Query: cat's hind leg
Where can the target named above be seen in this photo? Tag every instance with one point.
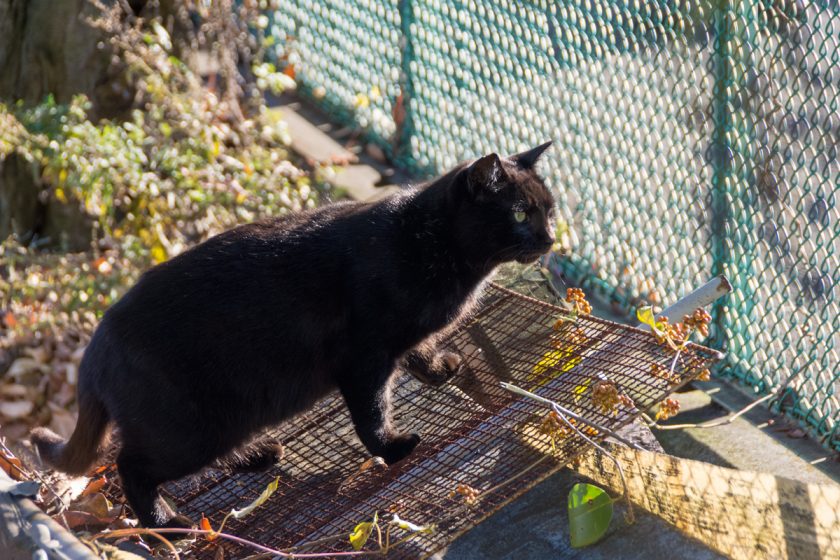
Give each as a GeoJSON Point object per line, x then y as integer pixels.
{"type": "Point", "coordinates": [367, 392]}
{"type": "Point", "coordinates": [257, 456]}
{"type": "Point", "coordinates": [140, 487]}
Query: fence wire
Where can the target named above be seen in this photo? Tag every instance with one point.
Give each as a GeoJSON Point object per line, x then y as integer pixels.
{"type": "Point", "coordinates": [692, 138]}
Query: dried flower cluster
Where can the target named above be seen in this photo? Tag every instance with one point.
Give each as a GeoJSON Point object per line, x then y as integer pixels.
{"type": "Point", "coordinates": [469, 494]}
{"type": "Point", "coordinates": [577, 299]}
{"type": "Point", "coordinates": [668, 409]}
{"type": "Point", "coordinates": [607, 397]}
{"type": "Point", "coordinates": [657, 370]}
{"type": "Point", "coordinates": [553, 426]}
{"type": "Point", "coordinates": [699, 321]}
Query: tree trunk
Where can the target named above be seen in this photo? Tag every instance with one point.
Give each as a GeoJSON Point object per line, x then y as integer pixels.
{"type": "Point", "coordinates": [48, 48]}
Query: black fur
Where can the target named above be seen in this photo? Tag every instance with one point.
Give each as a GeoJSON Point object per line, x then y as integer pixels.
{"type": "Point", "coordinates": [254, 325]}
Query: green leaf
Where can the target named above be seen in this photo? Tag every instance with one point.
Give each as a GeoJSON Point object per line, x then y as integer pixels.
{"type": "Point", "coordinates": [362, 532]}
{"type": "Point", "coordinates": [646, 317]}
{"type": "Point", "coordinates": [590, 512]}
{"type": "Point", "coordinates": [266, 494]}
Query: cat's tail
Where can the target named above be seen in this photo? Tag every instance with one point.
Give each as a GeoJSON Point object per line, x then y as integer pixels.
{"type": "Point", "coordinates": [77, 455]}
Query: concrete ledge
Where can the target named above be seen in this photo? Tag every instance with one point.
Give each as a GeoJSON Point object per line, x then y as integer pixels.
{"type": "Point", "coordinates": [25, 530]}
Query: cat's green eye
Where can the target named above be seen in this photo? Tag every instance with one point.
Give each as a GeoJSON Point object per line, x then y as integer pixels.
{"type": "Point", "coordinates": [519, 216]}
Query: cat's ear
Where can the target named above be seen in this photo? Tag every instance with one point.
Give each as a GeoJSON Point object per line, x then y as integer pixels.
{"type": "Point", "coordinates": [485, 175]}
{"type": "Point", "coordinates": [527, 159]}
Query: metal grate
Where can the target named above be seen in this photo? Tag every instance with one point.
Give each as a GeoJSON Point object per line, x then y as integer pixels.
{"type": "Point", "coordinates": [693, 139]}
{"type": "Point", "coordinates": [474, 433]}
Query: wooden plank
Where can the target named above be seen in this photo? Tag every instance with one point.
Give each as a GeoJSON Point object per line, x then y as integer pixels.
{"type": "Point", "coordinates": [740, 514]}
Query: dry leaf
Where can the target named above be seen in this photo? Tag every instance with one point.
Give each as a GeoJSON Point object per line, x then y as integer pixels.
{"type": "Point", "coordinates": [13, 410]}
{"type": "Point", "coordinates": [63, 422]}
{"type": "Point", "coordinates": [9, 320]}
{"type": "Point", "coordinates": [41, 354]}
{"type": "Point", "coordinates": [204, 525]}
{"type": "Point", "coordinates": [22, 366]}
{"type": "Point", "coordinates": [94, 486]}
{"type": "Point", "coordinates": [71, 373]}
{"type": "Point", "coordinates": [95, 504]}
{"type": "Point", "coordinates": [76, 519]}
{"type": "Point", "coordinates": [377, 462]}
{"type": "Point", "coordinates": [11, 466]}
{"type": "Point", "coordinates": [101, 469]}
{"type": "Point", "coordinates": [14, 390]}
{"type": "Point", "coordinates": [76, 357]}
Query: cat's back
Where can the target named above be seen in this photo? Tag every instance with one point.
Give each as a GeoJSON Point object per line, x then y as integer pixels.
{"type": "Point", "coordinates": [243, 278]}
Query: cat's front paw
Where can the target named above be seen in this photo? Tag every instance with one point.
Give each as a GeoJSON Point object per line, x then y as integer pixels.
{"type": "Point", "coordinates": [399, 447]}
{"type": "Point", "coordinates": [443, 367]}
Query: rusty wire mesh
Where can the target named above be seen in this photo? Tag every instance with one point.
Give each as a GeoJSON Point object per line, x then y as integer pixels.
{"type": "Point", "coordinates": [473, 433]}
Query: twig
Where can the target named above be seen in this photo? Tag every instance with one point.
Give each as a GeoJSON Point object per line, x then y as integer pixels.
{"type": "Point", "coordinates": [546, 273]}
{"type": "Point", "coordinates": [517, 475]}
{"type": "Point", "coordinates": [567, 412]}
{"type": "Point", "coordinates": [729, 419]}
{"type": "Point", "coordinates": [35, 473]}
{"type": "Point", "coordinates": [630, 516]}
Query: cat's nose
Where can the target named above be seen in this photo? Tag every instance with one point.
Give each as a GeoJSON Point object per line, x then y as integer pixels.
{"type": "Point", "coordinates": [547, 238]}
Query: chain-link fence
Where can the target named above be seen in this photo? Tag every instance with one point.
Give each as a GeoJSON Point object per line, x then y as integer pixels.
{"type": "Point", "coordinates": [692, 138]}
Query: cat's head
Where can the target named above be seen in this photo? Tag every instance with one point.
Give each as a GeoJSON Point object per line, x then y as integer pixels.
{"type": "Point", "coordinates": [507, 211]}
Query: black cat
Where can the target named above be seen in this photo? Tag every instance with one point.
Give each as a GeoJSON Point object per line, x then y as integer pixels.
{"type": "Point", "coordinates": [255, 325]}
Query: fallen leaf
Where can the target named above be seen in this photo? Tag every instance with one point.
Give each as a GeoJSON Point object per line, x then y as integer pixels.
{"type": "Point", "coordinates": [111, 552]}
{"type": "Point", "coordinates": [590, 513]}
{"type": "Point", "coordinates": [377, 462]}
{"type": "Point", "coordinates": [11, 466]}
{"type": "Point", "coordinates": [101, 469]}
{"type": "Point", "coordinates": [409, 526]}
{"type": "Point", "coordinates": [361, 533]}
{"type": "Point", "coordinates": [204, 525]}
{"type": "Point", "coordinates": [62, 422]}
{"type": "Point", "coordinates": [71, 373]}
{"type": "Point", "coordinates": [76, 356]}
{"type": "Point", "coordinates": [94, 504]}
{"type": "Point", "coordinates": [22, 366]}
{"type": "Point", "coordinates": [15, 409]}
{"type": "Point", "coordinates": [41, 354]}
{"type": "Point", "coordinates": [266, 494]}
{"type": "Point", "coordinates": [9, 320]}
{"type": "Point", "coordinates": [94, 486]}
{"type": "Point", "coordinates": [14, 390]}
{"type": "Point", "coordinates": [76, 519]}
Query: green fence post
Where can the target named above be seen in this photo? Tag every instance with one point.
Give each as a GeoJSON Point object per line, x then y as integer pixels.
{"type": "Point", "coordinates": [731, 157]}
{"type": "Point", "coordinates": [405, 129]}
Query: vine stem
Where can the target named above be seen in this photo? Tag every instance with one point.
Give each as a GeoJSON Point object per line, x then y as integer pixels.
{"type": "Point", "coordinates": [624, 493]}
{"type": "Point", "coordinates": [158, 533]}
{"type": "Point", "coordinates": [563, 413]}
{"type": "Point", "coordinates": [522, 392]}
